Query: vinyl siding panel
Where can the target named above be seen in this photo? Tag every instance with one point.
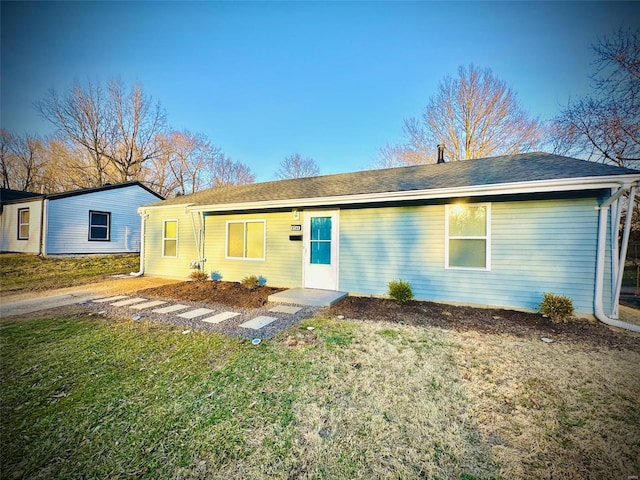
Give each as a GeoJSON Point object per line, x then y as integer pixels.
{"type": "Point", "coordinates": [9, 223]}
{"type": "Point", "coordinates": [282, 266]}
{"type": "Point", "coordinates": [68, 221]}
{"type": "Point", "coordinates": [536, 247]}
{"type": "Point", "coordinates": [169, 267]}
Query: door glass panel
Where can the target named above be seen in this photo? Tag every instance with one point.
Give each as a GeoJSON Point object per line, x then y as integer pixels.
{"type": "Point", "coordinates": [321, 228]}
{"type": "Point", "coordinates": [321, 253]}
{"type": "Point", "coordinates": [320, 241]}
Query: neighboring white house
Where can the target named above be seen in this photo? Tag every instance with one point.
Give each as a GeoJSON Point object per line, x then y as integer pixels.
{"type": "Point", "coordinates": [92, 220]}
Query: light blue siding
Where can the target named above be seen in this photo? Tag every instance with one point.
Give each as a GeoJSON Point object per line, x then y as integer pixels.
{"type": "Point", "coordinates": [536, 247]}
{"type": "Point", "coordinates": [67, 221]}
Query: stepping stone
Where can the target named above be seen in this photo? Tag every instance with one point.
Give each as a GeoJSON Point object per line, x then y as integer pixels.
{"type": "Point", "coordinates": [198, 312]}
{"type": "Point", "coordinates": [258, 322]}
{"type": "Point", "coordinates": [131, 301]}
{"type": "Point", "coordinates": [111, 299]}
{"type": "Point", "coordinates": [154, 303]}
{"type": "Point", "coordinates": [171, 308]}
{"type": "Point", "coordinates": [221, 317]}
{"type": "Point", "coordinates": [285, 309]}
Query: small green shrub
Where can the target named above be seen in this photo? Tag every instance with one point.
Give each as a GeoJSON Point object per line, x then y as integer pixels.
{"type": "Point", "coordinates": [557, 307]}
{"type": "Point", "coordinates": [250, 282]}
{"type": "Point", "coordinates": [400, 291]}
{"type": "Point", "coordinates": [198, 276]}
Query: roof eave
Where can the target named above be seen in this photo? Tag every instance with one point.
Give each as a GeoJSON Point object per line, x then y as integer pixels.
{"type": "Point", "coordinates": [541, 186]}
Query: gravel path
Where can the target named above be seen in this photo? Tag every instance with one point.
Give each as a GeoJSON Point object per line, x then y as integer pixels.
{"type": "Point", "coordinates": [228, 327]}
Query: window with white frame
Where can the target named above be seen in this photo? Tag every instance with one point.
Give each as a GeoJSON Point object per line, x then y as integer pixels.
{"type": "Point", "coordinates": [468, 236]}
{"type": "Point", "coordinates": [23, 224]}
{"type": "Point", "coordinates": [170, 238]}
{"type": "Point", "coordinates": [99, 226]}
{"type": "Point", "coordinates": [246, 239]}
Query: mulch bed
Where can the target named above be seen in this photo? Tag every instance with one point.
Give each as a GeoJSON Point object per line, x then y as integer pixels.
{"type": "Point", "coordinates": [492, 321]}
{"type": "Point", "coordinates": [232, 294]}
{"type": "Point", "coordinates": [417, 313]}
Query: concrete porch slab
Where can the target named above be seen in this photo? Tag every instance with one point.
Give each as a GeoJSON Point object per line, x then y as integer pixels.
{"type": "Point", "coordinates": [308, 296]}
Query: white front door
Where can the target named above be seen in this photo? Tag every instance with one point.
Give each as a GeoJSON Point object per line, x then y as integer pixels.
{"type": "Point", "coordinates": [321, 235]}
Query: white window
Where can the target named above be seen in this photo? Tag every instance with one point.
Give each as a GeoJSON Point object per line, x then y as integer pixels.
{"type": "Point", "coordinates": [468, 236]}
{"type": "Point", "coordinates": [246, 240]}
{"type": "Point", "coordinates": [170, 238]}
{"type": "Point", "coordinates": [99, 226]}
{"type": "Point", "coordinates": [23, 224]}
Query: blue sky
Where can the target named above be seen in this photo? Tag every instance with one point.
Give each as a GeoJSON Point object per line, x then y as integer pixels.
{"type": "Point", "coordinates": [329, 80]}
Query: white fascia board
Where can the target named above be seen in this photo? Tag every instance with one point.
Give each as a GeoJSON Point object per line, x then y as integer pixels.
{"type": "Point", "coordinates": [172, 205]}
{"type": "Point", "coordinates": [543, 186]}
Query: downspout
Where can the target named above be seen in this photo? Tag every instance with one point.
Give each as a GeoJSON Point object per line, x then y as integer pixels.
{"type": "Point", "coordinates": [43, 223]}
{"type": "Point", "coordinates": [600, 255]}
{"type": "Point", "coordinates": [198, 236]}
{"type": "Point", "coordinates": [143, 237]}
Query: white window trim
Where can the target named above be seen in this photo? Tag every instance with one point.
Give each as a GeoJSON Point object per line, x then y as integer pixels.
{"type": "Point", "coordinates": [170, 238]}
{"type": "Point", "coordinates": [20, 224]}
{"type": "Point", "coordinates": [108, 226]}
{"type": "Point", "coordinates": [264, 240]}
{"type": "Point", "coordinates": [486, 237]}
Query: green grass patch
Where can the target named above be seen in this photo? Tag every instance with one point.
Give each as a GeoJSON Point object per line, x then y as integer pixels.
{"type": "Point", "coordinates": [21, 272]}
{"type": "Point", "coordinates": [91, 398]}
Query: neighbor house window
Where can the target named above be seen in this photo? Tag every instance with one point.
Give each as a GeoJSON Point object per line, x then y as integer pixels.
{"type": "Point", "coordinates": [170, 238]}
{"type": "Point", "coordinates": [246, 240]}
{"type": "Point", "coordinates": [468, 238]}
{"type": "Point", "coordinates": [99, 226]}
{"type": "Point", "coordinates": [23, 224]}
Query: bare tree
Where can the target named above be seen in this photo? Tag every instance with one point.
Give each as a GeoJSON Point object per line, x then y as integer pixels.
{"type": "Point", "coordinates": [21, 161]}
{"type": "Point", "coordinates": [390, 156]}
{"type": "Point", "coordinates": [66, 167]}
{"type": "Point", "coordinates": [297, 166]}
{"type": "Point", "coordinates": [475, 115]}
{"type": "Point", "coordinates": [605, 126]}
{"type": "Point", "coordinates": [117, 129]}
{"type": "Point", "coordinates": [136, 123]}
{"type": "Point", "coordinates": [82, 117]}
{"type": "Point", "coordinates": [187, 163]}
{"type": "Point", "coordinates": [228, 172]}
{"type": "Point", "coordinates": [5, 167]}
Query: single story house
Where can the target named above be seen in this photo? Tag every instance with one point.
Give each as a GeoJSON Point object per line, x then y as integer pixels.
{"type": "Point", "coordinates": [497, 231]}
{"type": "Point", "coordinates": [92, 220]}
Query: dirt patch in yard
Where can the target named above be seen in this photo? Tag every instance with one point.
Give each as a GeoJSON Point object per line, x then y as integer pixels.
{"type": "Point", "coordinates": [492, 321]}
{"type": "Point", "coordinates": [227, 293]}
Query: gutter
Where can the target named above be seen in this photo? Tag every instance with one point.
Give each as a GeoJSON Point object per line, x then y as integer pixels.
{"type": "Point", "coordinates": [143, 234]}
{"type": "Point", "coordinates": [600, 255]}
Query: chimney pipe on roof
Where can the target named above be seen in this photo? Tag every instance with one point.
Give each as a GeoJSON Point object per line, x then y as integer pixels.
{"type": "Point", "coordinates": [441, 153]}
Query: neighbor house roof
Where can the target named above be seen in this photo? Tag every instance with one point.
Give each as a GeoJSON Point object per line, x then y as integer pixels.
{"type": "Point", "coordinates": [71, 193]}
{"type": "Point", "coordinates": [6, 195]}
{"type": "Point", "coordinates": [535, 170]}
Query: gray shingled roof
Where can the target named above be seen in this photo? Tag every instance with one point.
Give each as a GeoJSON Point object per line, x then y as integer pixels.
{"type": "Point", "coordinates": [527, 167]}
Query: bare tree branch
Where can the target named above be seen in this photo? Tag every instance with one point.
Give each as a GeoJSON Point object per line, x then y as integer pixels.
{"type": "Point", "coordinates": [297, 166]}
{"type": "Point", "coordinates": [605, 126]}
